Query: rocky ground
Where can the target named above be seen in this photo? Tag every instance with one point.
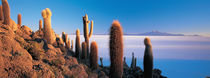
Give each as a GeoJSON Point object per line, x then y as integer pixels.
{"type": "Point", "coordinates": [25, 54]}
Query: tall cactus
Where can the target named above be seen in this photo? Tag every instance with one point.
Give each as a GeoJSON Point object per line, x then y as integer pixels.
{"type": "Point", "coordinates": [101, 60]}
{"type": "Point", "coordinates": [87, 34]}
{"type": "Point", "coordinates": [133, 61]}
{"type": "Point", "coordinates": [116, 50]}
{"type": "Point", "coordinates": [49, 34]}
{"type": "Point", "coordinates": [94, 55]}
{"type": "Point", "coordinates": [40, 24]}
{"type": "Point", "coordinates": [1, 13]}
{"type": "Point", "coordinates": [59, 41]}
{"type": "Point", "coordinates": [68, 44]}
{"type": "Point", "coordinates": [63, 36]}
{"type": "Point", "coordinates": [6, 13]}
{"type": "Point", "coordinates": [19, 20]}
{"type": "Point", "coordinates": [124, 59]}
{"type": "Point", "coordinates": [148, 59]}
{"type": "Point", "coordinates": [77, 45]}
{"type": "Point", "coordinates": [84, 50]}
{"type": "Point", "coordinates": [72, 44]}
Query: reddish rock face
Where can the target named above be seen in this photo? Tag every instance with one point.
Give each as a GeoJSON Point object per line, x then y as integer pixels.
{"type": "Point", "coordinates": [23, 56]}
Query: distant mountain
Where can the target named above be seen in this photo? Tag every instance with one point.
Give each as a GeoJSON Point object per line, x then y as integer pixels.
{"type": "Point", "coordinates": [157, 33]}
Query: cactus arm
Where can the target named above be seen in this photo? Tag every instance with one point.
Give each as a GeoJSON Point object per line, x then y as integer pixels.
{"type": "Point", "coordinates": [91, 29]}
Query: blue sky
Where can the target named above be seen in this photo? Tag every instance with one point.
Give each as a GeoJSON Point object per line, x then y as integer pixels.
{"type": "Point", "coordinates": [136, 16]}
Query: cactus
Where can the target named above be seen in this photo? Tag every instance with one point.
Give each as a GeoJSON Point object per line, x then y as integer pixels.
{"type": "Point", "coordinates": [1, 13]}
{"type": "Point", "coordinates": [60, 43]}
{"type": "Point", "coordinates": [59, 40]}
{"type": "Point", "coordinates": [6, 14]}
{"type": "Point", "coordinates": [133, 61]}
{"type": "Point", "coordinates": [66, 40]}
{"type": "Point", "coordinates": [49, 34]}
{"type": "Point", "coordinates": [63, 36]}
{"type": "Point", "coordinates": [94, 55]}
{"type": "Point", "coordinates": [84, 50]}
{"type": "Point", "coordinates": [19, 21]}
{"type": "Point", "coordinates": [40, 25]}
{"type": "Point", "coordinates": [124, 59]}
{"type": "Point", "coordinates": [87, 34]}
{"type": "Point", "coordinates": [77, 45]}
{"type": "Point", "coordinates": [68, 44]}
{"type": "Point", "coordinates": [101, 60]}
{"type": "Point", "coordinates": [116, 50]}
{"type": "Point", "coordinates": [148, 59]}
{"type": "Point", "coordinates": [72, 44]}
{"type": "Point", "coordinates": [125, 65]}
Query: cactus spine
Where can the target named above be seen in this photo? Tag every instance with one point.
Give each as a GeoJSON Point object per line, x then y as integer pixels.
{"type": "Point", "coordinates": [1, 13]}
{"type": "Point", "coordinates": [77, 45]}
{"type": "Point", "coordinates": [49, 34]}
{"type": "Point", "coordinates": [116, 50]}
{"type": "Point", "coordinates": [101, 60]}
{"type": "Point", "coordinates": [84, 50]}
{"type": "Point", "coordinates": [40, 24]}
{"type": "Point", "coordinates": [87, 35]}
{"type": "Point", "coordinates": [94, 55]}
{"type": "Point", "coordinates": [19, 21]}
{"type": "Point", "coordinates": [133, 61]}
{"type": "Point", "coordinates": [148, 59]}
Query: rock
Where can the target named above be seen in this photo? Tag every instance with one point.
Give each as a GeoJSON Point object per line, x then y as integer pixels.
{"type": "Point", "coordinates": [15, 60]}
{"type": "Point", "coordinates": [26, 30]}
{"type": "Point", "coordinates": [38, 34]}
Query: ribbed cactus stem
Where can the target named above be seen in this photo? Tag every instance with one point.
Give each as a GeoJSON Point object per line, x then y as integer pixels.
{"type": "Point", "coordinates": [91, 29]}
{"type": "Point", "coordinates": [40, 24]}
{"type": "Point", "coordinates": [124, 59]}
{"type": "Point", "coordinates": [59, 40]}
{"type": "Point", "coordinates": [72, 44]}
{"type": "Point", "coordinates": [19, 20]}
{"type": "Point", "coordinates": [116, 50]}
{"type": "Point", "coordinates": [84, 50]}
{"type": "Point", "coordinates": [63, 36]}
{"type": "Point", "coordinates": [68, 44]}
{"type": "Point", "coordinates": [94, 55]}
{"type": "Point", "coordinates": [66, 40]}
{"type": "Point", "coordinates": [101, 60]}
{"type": "Point", "coordinates": [49, 34]}
{"type": "Point", "coordinates": [87, 34]}
{"type": "Point", "coordinates": [133, 61]}
{"type": "Point", "coordinates": [77, 45]}
{"type": "Point", "coordinates": [1, 14]}
{"type": "Point", "coordinates": [148, 59]}
{"type": "Point", "coordinates": [6, 12]}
